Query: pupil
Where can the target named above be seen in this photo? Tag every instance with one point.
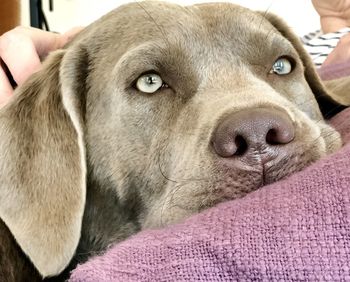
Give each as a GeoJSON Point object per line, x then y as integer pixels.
{"type": "Point", "coordinates": [151, 80]}
{"type": "Point", "coordinates": [279, 66]}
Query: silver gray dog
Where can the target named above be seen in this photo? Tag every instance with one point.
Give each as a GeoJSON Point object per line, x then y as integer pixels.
{"type": "Point", "coordinates": [151, 114]}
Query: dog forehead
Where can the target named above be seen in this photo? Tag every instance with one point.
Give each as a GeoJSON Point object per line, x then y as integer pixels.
{"type": "Point", "coordinates": [154, 20]}
{"type": "Point", "coordinates": [205, 36]}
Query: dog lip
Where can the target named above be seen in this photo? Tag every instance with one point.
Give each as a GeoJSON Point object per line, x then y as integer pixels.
{"type": "Point", "coordinates": [270, 164]}
{"type": "Point", "coordinates": [281, 167]}
{"type": "Point", "coordinates": [266, 176]}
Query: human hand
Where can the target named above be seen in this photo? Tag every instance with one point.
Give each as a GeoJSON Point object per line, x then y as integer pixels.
{"type": "Point", "coordinates": [22, 49]}
{"type": "Point", "coordinates": [334, 14]}
{"type": "Point", "coordinates": [341, 52]}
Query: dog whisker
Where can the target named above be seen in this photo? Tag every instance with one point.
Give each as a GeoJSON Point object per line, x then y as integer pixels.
{"type": "Point", "coordinates": [161, 30]}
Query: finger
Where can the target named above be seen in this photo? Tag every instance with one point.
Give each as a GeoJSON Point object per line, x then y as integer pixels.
{"type": "Point", "coordinates": [45, 42]}
{"type": "Point", "coordinates": [8, 74]}
{"type": "Point", "coordinates": [6, 90]}
{"type": "Point", "coordinates": [18, 52]}
{"type": "Point", "coordinates": [341, 52]}
{"type": "Point", "coordinates": [69, 35]}
{"type": "Point", "coordinates": [23, 48]}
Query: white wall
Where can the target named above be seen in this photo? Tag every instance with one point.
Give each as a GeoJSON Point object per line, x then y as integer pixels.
{"type": "Point", "coordinates": [68, 13]}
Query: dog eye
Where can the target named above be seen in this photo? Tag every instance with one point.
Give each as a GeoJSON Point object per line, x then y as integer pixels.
{"type": "Point", "coordinates": [282, 66]}
{"type": "Point", "coordinates": [149, 83]}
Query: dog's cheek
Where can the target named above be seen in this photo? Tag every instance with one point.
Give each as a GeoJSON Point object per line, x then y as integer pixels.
{"type": "Point", "coordinates": [183, 183]}
{"type": "Point", "coordinates": [317, 138]}
{"type": "Point", "coordinates": [298, 92]}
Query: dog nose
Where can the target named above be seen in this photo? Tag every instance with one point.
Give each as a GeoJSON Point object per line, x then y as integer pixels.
{"type": "Point", "coordinates": [259, 129]}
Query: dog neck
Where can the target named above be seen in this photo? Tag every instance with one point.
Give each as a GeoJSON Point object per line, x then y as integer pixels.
{"type": "Point", "coordinates": [107, 220]}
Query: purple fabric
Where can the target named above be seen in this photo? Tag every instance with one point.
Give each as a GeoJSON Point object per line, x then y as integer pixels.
{"type": "Point", "coordinates": [334, 71]}
{"type": "Point", "coordinates": [295, 229]}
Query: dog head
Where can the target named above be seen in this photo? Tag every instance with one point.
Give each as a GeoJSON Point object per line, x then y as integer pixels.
{"type": "Point", "coordinates": [179, 108]}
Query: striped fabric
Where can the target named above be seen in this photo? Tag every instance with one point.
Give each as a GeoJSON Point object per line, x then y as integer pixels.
{"type": "Point", "coordinates": [319, 45]}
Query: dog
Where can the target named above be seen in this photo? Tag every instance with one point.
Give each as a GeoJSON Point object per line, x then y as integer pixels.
{"type": "Point", "coordinates": [151, 114]}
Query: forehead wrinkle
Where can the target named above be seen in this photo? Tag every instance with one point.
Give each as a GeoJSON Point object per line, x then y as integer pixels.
{"type": "Point", "coordinates": [274, 35]}
{"type": "Point", "coordinates": [171, 61]}
{"type": "Point", "coordinates": [239, 32]}
{"type": "Point", "coordinates": [139, 59]}
{"type": "Point", "coordinates": [278, 42]}
{"type": "Point", "coordinates": [143, 53]}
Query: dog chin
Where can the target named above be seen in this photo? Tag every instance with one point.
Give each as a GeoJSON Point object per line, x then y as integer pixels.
{"type": "Point", "coordinates": [234, 184]}
{"type": "Point", "coordinates": [229, 184]}
{"type": "Point", "coordinates": [275, 171]}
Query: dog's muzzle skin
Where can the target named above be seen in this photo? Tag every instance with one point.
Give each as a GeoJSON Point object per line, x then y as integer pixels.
{"type": "Point", "coordinates": [254, 137]}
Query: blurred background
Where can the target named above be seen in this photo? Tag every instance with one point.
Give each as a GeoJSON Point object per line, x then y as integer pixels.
{"type": "Point", "coordinates": [62, 15]}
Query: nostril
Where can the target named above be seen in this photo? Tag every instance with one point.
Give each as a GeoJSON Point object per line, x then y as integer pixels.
{"type": "Point", "coordinates": [232, 146]}
{"type": "Point", "coordinates": [271, 137]}
{"type": "Point", "coordinates": [241, 145]}
{"type": "Point", "coordinates": [252, 130]}
{"type": "Point", "coordinates": [279, 136]}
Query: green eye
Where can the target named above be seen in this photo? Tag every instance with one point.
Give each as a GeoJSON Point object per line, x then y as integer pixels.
{"type": "Point", "coordinates": [282, 66]}
{"type": "Point", "coordinates": [149, 83]}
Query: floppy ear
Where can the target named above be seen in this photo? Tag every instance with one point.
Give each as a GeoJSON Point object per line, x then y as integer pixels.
{"type": "Point", "coordinates": [328, 106]}
{"type": "Point", "coordinates": [43, 168]}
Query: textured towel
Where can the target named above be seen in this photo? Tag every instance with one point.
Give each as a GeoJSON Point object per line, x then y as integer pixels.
{"type": "Point", "coordinates": [295, 229]}
{"type": "Point", "coordinates": [334, 71]}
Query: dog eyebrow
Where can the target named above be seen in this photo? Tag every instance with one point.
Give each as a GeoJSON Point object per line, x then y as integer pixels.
{"type": "Point", "coordinates": [139, 59]}
{"type": "Point", "coordinates": [280, 46]}
{"type": "Point", "coordinates": [171, 62]}
{"type": "Point", "coordinates": [149, 56]}
{"type": "Point", "coordinates": [282, 41]}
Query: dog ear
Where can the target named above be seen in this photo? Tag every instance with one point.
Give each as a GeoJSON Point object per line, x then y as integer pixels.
{"type": "Point", "coordinates": [328, 106]}
{"type": "Point", "coordinates": [43, 168]}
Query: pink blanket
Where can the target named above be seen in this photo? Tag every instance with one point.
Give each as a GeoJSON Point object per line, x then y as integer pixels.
{"type": "Point", "coordinates": [295, 229]}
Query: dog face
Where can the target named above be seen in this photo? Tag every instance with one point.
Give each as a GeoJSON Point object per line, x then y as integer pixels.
{"type": "Point", "coordinates": [215, 65]}
{"type": "Point", "coordinates": [175, 108]}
